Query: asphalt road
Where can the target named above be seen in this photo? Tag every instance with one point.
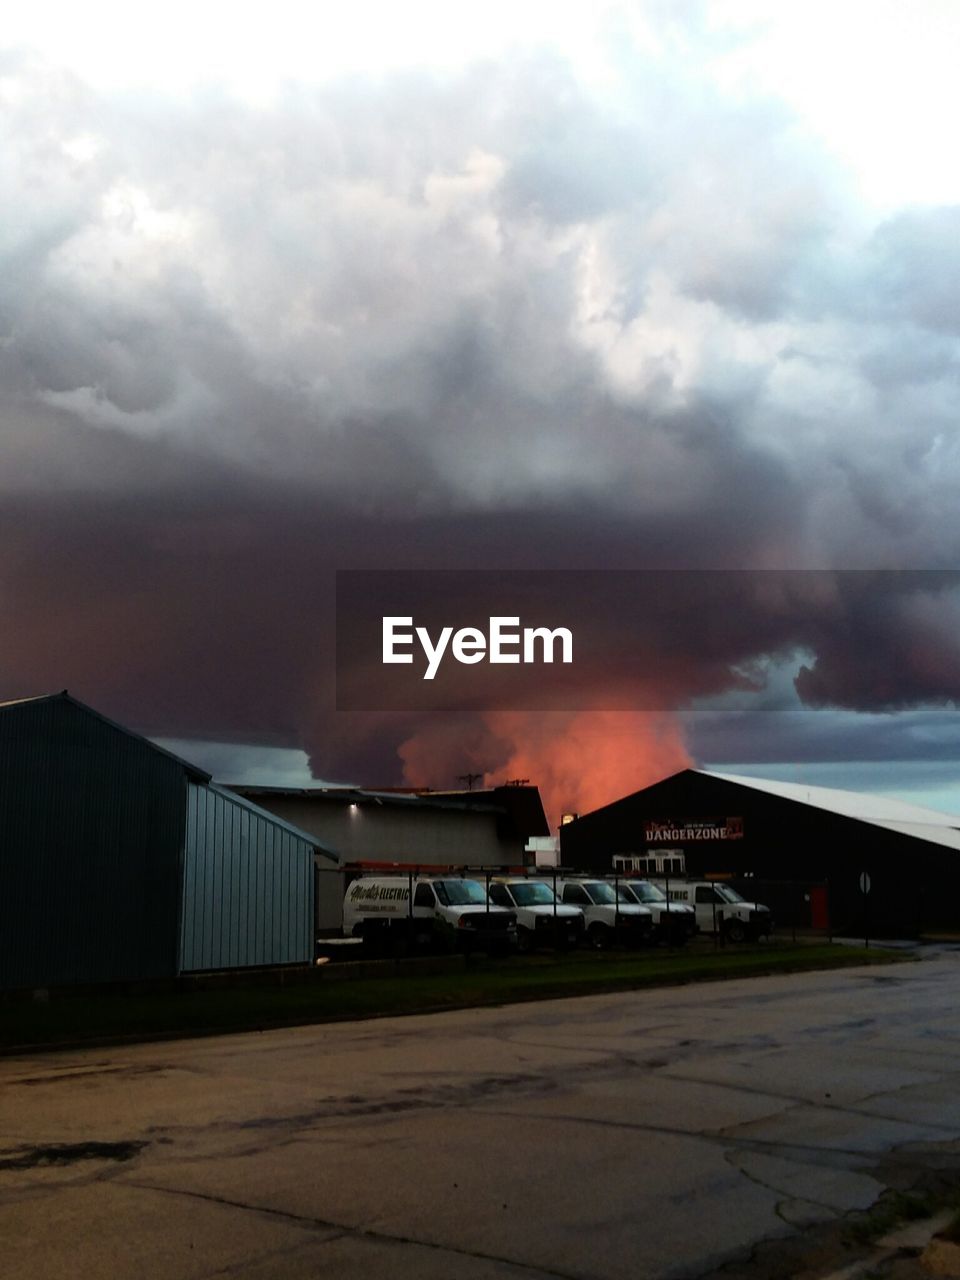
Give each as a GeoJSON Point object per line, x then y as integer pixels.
{"type": "Point", "coordinates": [650, 1134]}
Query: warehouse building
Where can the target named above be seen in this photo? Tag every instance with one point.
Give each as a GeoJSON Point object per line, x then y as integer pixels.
{"type": "Point", "coordinates": [122, 862]}
{"type": "Point", "coordinates": [483, 828]}
{"type": "Point", "coordinates": [885, 866]}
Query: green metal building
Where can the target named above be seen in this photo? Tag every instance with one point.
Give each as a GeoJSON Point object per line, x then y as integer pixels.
{"type": "Point", "coordinates": [121, 862]}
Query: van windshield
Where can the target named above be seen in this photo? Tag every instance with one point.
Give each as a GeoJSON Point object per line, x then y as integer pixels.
{"type": "Point", "coordinates": [532, 894]}
{"type": "Point", "coordinates": [599, 892]}
{"type": "Point", "coordinates": [644, 891]}
{"type": "Point", "coordinates": [460, 893]}
{"type": "Point", "coordinates": [727, 894]}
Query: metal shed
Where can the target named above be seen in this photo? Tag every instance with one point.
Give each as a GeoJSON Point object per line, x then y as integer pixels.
{"type": "Point", "coordinates": [121, 862]}
{"type": "Point", "coordinates": [248, 885]}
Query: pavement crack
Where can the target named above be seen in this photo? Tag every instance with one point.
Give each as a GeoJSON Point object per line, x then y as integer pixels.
{"type": "Point", "coordinates": [355, 1105]}
{"type": "Point", "coordinates": [270, 1255]}
{"type": "Point", "coordinates": [86, 1074]}
{"type": "Point", "coordinates": [825, 1104]}
{"type": "Point", "coordinates": [343, 1230]}
{"type": "Point", "coordinates": [817, 1155]}
{"type": "Point", "coordinates": [730, 1158]}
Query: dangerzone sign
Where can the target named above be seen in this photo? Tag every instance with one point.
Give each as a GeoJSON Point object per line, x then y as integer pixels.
{"type": "Point", "coordinates": [670, 830]}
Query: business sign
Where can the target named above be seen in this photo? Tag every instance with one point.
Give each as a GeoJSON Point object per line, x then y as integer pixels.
{"type": "Point", "coordinates": [670, 830]}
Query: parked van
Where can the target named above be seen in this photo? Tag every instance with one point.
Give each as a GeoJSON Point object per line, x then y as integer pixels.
{"type": "Point", "coordinates": [447, 913]}
{"type": "Point", "coordinates": [673, 922]}
{"type": "Point", "coordinates": [542, 920]}
{"type": "Point", "coordinates": [607, 920]}
{"type": "Point", "coordinates": [722, 910]}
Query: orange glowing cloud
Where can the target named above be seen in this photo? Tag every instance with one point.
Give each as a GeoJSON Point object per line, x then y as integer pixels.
{"type": "Point", "coordinates": [579, 760]}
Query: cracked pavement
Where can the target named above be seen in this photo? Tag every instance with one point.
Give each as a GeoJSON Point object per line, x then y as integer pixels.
{"type": "Point", "coordinates": [642, 1134]}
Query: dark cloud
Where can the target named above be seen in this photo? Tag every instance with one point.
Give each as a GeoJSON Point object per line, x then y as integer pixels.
{"type": "Point", "coordinates": [487, 321]}
{"type": "Point", "coordinates": [877, 651]}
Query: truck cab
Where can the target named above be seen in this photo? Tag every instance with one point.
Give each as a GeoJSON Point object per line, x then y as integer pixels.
{"type": "Point", "coordinates": [542, 920]}
{"type": "Point", "coordinates": [721, 910]}
{"type": "Point", "coordinates": [607, 919]}
{"type": "Point", "coordinates": [445, 913]}
{"type": "Point", "coordinates": [673, 922]}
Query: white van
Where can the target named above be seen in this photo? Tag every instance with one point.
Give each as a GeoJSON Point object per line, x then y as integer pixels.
{"type": "Point", "coordinates": [607, 920]}
{"type": "Point", "coordinates": [542, 920]}
{"type": "Point", "coordinates": [673, 922]}
{"type": "Point", "coordinates": [447, 913]}
{"type": "Point", "coordinates": [722, 910]}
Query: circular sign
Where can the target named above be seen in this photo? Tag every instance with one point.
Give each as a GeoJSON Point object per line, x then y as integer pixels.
{"type": "Point", "coordinates": [864, 882]}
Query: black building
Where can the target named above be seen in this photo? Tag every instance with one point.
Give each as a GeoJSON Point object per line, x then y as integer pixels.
{"type": "Point", "coordinates": [787, 834]}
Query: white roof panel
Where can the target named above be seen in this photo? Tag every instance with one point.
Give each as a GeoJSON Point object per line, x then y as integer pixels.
{"type": "Point", "coordinates": [947, 836]}
{"type": "Point", "coordinates": [882, 810]}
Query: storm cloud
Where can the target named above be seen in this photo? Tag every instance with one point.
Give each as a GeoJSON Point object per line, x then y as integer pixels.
{"type": "Point", "coordinates": [485, 319]}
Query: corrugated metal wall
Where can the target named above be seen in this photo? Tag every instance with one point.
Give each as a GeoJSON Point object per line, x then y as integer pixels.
{"type": "Point", "coordinates": [248, 887]}
{"type": "Point", "coordinates": [91, 828]}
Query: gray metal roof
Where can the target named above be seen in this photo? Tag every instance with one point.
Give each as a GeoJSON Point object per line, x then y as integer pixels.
{"type": "Point", "coordinates": [879, 811]}
{"type": "Point", "coordinates": [361, 795]}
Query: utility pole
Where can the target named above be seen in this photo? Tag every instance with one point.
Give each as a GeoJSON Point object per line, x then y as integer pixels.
{"type": "Point", "coordinates": [469, 779]}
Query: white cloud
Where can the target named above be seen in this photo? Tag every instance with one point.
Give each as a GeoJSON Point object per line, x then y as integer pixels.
{"type": "Point", "coordinates": [510, 281]}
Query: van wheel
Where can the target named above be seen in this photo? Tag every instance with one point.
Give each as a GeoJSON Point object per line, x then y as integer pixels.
{"type": "Point", "coordinates": [736, 931]}
{"type": "Point", "coordinates": [598, 935]}
{"type": "Point", "coordinates": [525, 940]}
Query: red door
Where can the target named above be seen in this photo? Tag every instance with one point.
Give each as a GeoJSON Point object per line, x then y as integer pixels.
{"type": "Point", "coordinates": [819, 910]}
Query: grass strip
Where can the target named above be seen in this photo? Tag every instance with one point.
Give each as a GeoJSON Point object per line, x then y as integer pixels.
{"type": "Point", "coordinates": [113, 1018]}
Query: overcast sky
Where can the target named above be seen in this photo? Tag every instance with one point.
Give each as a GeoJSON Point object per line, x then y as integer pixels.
{"type": "Point", "coordinates": [289, 288]}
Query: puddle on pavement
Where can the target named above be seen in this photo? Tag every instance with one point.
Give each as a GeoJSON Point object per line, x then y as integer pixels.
{"type": "Point", "coordinates": [67, 1153]}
